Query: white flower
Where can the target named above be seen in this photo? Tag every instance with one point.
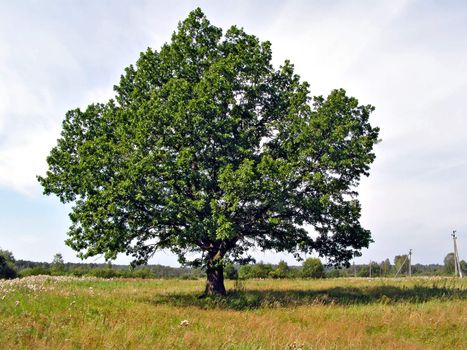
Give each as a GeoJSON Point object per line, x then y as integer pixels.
{"type": "Point", "coordinates": [184, 323]}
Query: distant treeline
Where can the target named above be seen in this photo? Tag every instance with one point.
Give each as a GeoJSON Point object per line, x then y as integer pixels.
{"type": "Point", "coordinates": [311, 268]}
{"type": "Point", "coordinates": [28, 268]}
{"type": "Point", "coordinates": [383, 269]}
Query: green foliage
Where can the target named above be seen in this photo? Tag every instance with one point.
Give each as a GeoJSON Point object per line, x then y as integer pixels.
{"type": "Point", "coordinates": [58, 265]}
{"type": "Point", "coordinates": [401, 262]}
{"type": "Point", "coordinates": [7, 255]}
{"type": "Point", "coordinates": [207, 148]}
{"type": "Point", "coordinates": [335, 273]}
{"type": "Point", "coordinates": [7, 269]}
{"type": "Point", "coordinates": [230, 272]}
{"type": "Point", "coordinates": [365, 270]}
{"type": "Point", "coordinates": [143, 273]}
{"type": "Point", "coordinates": [386, 268]}
{"type": "Point", "coordinates": [79, 271]}
{"type": "Point", "coordinates": [463, 265]}
{"type": "Point", "coordinates": [449, 261]}
{"type": "Point", "coordinates": [244, 272]}
{"type": "Point", "coordinates": [35, 271]}
{"type": "Point", "coordinates": [7, 265]}
{"type": "Point", "coordinates": [260, 270]}
{"type": "Point", "coordinates": [105, 272]}
{"type": "Point", "coordinates": [313, 268]}
{"type": "Point", "coordinates": [58, 260]}
{"type": "Point", "coordinates": [281, 271]}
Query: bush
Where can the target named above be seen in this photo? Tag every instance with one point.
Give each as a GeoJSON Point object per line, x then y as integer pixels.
{"type": "Point", "coordinates": [255, 271]}
{"type": "Point", "coordinates": [142, 273]}
{"type": "Point", "coordinates": [230, 272]}
{"type": "Point", "coordinates": [102, 273]}
{"type": "Point", "coordinates": [7, 264]}
{"type": "Point", "coordinates": [79, 271]}
{"type": "Point", "coordinates": [312, 268]}
{"type": "Point", "coordinates": [244, 272]}
{"type": "Point", "coordinates": [334, 273]}
{"type": "Point", "coordinates": [261, 270]}
{"type": "Point", "coordinates": [281, 271]}
{"type": "Point", "coordinates": [35, 271]}
{"type": "Point", "coordinates": [6, 269]}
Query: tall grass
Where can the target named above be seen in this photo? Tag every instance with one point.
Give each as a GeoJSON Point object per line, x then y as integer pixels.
{"type": "Point", "coordinates": [91, 313]}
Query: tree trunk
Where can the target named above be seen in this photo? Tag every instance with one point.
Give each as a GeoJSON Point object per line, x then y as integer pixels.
{"type": "Point", "coordinates": [215, 281]}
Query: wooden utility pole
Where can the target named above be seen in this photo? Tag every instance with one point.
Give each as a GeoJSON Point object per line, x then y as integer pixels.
{"type": "Point", "coordinates": [410, 262]}
{"type": "Point", "coordinates": [354, 267]}
{"type": "Point", "coordinates": [400, 268]}
{"type": "Point", "coordinates": [369, 269]}
{"type": "Point", "coordinates": [457, 265]}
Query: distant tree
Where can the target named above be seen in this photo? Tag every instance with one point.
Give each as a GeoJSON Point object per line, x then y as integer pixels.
{"type": "Point", "coordinates": [386, 267]}
{"type": "Point", "coordinates": [7, 255]}
{"type": "Point", "coordinates": [449, 263]}
{"type": "Point", "coordinates": [312, 268]}
{"type": "Point", "coordinates": [244, 272]}
{"type": "Point", "coordinates": [334, 273]}
{"type": "Point", "coordinates": [401, 262]}
{"type": "Point", "coordinates": [364, 271]}
{"type": "Point", "coordinates": [463, 266]}
{"type": "Point", "coordinates": [58, 260]}
{"type": "Point", "coordinates": [230, 272]}
{"type": "Point", "coordinates": [261, 270]}
{"type": "Point", "coordinates": [208, 150]}
{"type": "Point", "coordinates": [281, 271]}
{"type": "Point", "coordinates": [58, 265]}
{"type": "Point", "coordinates": [7, 265]}
{"type": "Point", "coordinates": [375, 270]}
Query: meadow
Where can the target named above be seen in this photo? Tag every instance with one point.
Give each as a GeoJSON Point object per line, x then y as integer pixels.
{"type": "Point", "coordinates": [43, 312]}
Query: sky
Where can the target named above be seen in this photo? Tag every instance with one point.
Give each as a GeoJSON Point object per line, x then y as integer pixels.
{"type": "Point", "coordinates": [407, 58]}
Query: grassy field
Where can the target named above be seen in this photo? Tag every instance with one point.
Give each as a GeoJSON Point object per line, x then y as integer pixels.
{"type": "Point", "coordinates": [71, 313]}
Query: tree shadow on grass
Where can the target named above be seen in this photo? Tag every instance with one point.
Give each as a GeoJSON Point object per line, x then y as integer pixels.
{"type": "Point", "coordinates": [254, 299]}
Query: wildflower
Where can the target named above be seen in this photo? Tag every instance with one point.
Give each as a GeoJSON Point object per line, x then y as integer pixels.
{"type": "Point", "coordinates": [184, 323]}
{"type": "Point", "coordinates": [17, 303]}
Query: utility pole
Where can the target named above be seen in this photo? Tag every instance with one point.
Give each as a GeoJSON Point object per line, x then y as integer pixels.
{"type": "Point", "coordinates": [354, 267]}
{"type": "Point", "coordinates": [457, 265]}
{"type": "Point", "coordinates": [369, 269]}
{"type": "Point", "coordinates": [410, 262]}
{"type": "Point", "coordinates": [400, 268]}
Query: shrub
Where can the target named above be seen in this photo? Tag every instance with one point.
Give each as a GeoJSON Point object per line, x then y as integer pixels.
{"type": "Point", "coordinates": [260, 270]}
{"type": "Point", "coordinates": [102, 273]}
{"type": "Point", "coordinates": [334, 273]}
{"type": "Point", "coordinates": [142, 273]}
{"type": "Point", "coordinates": [245, 272]}
{"type": "Point", "coordinates": [312, 268]}
{"type": "Point", "coordinates": [6, 269]}
{"type": "Point", "coordinates": [230, 272]}
{"type": "Point", "coordinates": [281, 271]}
{"type": "Point", "coordinates": [35, 271]}
{"type": "Point", "coordinates": [79, 271]}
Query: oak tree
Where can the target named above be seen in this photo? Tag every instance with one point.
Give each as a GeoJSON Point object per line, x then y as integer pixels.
{"type": "Point", "coordinates": [208, 150]}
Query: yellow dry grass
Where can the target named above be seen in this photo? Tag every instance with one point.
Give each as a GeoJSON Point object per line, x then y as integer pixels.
{"type": "Point", "coordinates": [67, 313]}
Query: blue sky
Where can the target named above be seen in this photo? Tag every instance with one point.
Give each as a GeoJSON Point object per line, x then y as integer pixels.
{"type": "Point", "coordinates": [407, 58]}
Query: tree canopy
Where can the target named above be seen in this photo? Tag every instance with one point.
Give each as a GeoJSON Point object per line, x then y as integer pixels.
{"type": "Point", "coordinates": [7, 264]}
{"type": "Point", "coordinates": [207, 148]}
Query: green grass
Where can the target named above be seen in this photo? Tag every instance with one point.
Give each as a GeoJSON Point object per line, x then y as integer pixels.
{"type": "Point", "coordinates": [67, 313]}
